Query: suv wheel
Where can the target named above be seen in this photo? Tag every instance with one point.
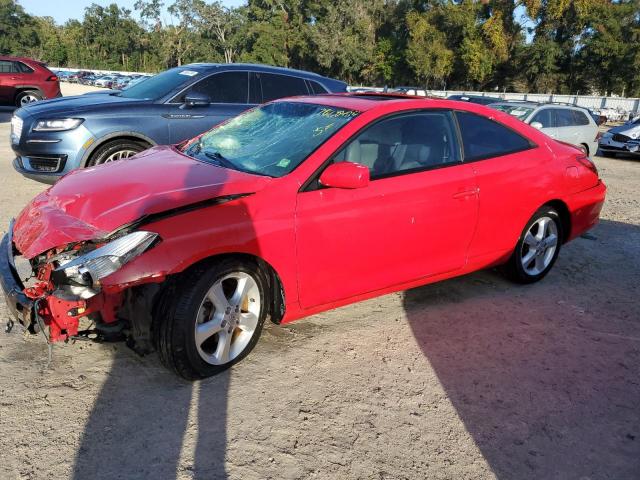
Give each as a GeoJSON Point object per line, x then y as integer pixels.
{"type": "Point", "coordinates": [27, 97]}
{"type": "Point", "coordinates": [116, 150]}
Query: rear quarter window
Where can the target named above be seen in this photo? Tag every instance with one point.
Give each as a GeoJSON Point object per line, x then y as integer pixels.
{"type": "Point", "coordinates": [485, 138]}
{"type": "Point", "coordinates": [580, 118]}
{"type": "Point", "coordinates": [276, 86]}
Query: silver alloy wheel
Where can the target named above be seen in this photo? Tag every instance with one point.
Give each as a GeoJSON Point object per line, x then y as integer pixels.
{"type": "Point", "coordinates": [539, 246]}
{"type": "Point", "coordinates": [227, 318]}
{"type": "Point", "coordinates": [119, 155]}
{"type": "Point", "coordinates": [28, 98]}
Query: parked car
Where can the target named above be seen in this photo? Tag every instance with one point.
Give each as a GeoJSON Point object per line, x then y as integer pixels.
{"type": "Point", "coordinates": [622, 139]}
{"type": "Point", "coordinates": [105, 81]}
{"type": "Point", "coordinates": [24, 80]}
{"type": "Point", "coordinates": [479, 99]}
{"type": "Point", "coordinates": [295, 207]}
{"type": "Point", "coordinates": [88, 79]}
{"type": "Point", "coordinates": [77, 76]}
{"type": "Point", "coordinates": [121, 82]}
{"type": "Point", "coordinates": [566, 123]}
{"type": "Point", "coordinates": [416, 91]}
{"type": "Point", "coordinates": [75, 132]}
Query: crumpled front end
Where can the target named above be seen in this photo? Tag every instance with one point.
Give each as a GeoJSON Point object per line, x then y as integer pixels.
{"type": "Point", "coordinates": [65, 286]}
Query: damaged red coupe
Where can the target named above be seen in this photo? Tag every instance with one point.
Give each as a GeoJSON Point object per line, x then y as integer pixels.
{"type": "Point", "coordinates": [292, 208]}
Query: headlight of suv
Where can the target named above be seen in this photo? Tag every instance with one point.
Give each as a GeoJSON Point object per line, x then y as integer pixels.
{"type": "Point", "coordinates": [107, 259]}
{"type": "Point", "coordinates": [57, 125]}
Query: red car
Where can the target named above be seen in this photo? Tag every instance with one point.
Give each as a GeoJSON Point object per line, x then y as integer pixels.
{"type": "Point", "coordinates": [292, 208]}
{"type": "Point", "coordinates": [23, 80]}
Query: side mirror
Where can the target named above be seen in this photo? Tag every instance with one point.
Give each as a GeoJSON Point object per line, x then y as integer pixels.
{"type": "Point", "coordinates": [536, 125]}
{"type": "Point", "coordinates": [196, 99]}
{"type": "Point", "coordinates": [345, 175]}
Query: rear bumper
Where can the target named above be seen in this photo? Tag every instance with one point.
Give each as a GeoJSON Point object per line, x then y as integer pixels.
{"type": "Point", "coordinates": [585, 208]}
{"type": "Point", "coordinates": [20, 306]}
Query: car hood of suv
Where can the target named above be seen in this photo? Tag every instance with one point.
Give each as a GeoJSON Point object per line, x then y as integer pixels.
{"type": "Point", "coordinates": [89, 204]}
{"type": "Point", "coordinates": [73, 106]}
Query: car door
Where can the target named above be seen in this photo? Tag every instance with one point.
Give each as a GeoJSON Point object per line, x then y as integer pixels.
{"type": "Point", "coordinates": [415, 218]}
{"type": "Point", "coordinates": [228, 93]}
{"type": "Point", "coordinates": [566, 128]}
{"type": "Point", "coordinates": [8, 79]}
{"type": "Point", "coordinates": [547, 118]}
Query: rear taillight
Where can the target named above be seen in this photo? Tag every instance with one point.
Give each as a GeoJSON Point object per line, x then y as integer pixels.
{"type": "Point", "coordinates": [52, 78]}
{"type": "Point", "coordinates": [586, 162]}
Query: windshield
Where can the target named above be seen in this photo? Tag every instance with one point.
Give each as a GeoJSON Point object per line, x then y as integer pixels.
{"type": "Point", "coordinates": [270, 140]}
{"type": "Point", "coordinates": [519, 111]}
{"type": "Point", "coordinates": [160, 85]}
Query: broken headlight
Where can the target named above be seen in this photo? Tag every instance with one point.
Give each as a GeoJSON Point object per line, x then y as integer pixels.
{"type": "Point", "coordinates": [90, 267]}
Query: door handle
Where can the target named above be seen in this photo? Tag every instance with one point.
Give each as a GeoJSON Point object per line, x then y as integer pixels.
{"type": "Point", "coordinates": [467, 193]}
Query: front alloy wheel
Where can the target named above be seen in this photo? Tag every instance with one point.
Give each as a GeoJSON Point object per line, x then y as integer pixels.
{"type": "Point", "coordinates": [211, 317]}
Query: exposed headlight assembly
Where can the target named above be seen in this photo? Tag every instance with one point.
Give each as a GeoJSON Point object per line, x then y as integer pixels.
{"type": "Point", "coordinates": [107, 259]}
{"type": "Point", "coordinates": [57, 125]}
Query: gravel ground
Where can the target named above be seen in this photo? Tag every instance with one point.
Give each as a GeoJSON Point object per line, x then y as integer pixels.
{"type": "Point", "coordinates": [466, 379]}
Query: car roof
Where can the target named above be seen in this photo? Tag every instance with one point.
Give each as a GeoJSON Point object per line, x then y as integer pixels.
{"type": "Point", "coordinates": [364, 101]}
{"type": "Point", "coordinates": [20, 59]}
{"type": "Point", "coordinates": [254, 66]}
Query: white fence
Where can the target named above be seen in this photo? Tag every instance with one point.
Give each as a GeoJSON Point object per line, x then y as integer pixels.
{"type": "Point", "coordinates": [626, 104]}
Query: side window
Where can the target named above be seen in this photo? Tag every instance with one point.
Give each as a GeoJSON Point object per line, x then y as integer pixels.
{"type": "Point", "coordinates": [225, 87]}
{"type": "Point", "coordinates": [278, 86]}
{"type": "Point", "coordinates": [23, 68]}
{"type": "Point", "coordinates": [405, 143]}
{"type": "Point", "coordinates": [6, 67]}
{"type": "Point", "coordinates": [545, 117]}
{"type": "Point", "coordinates": [580, 118]}
{"type": "Point", "coordinates": [485, 138]}
{"type": "Point", "coordinates": [255, 89]}
{"type": "Point", "coordinates": [564, 117]}
{"type": "Point", "coordinates": [316, 88]}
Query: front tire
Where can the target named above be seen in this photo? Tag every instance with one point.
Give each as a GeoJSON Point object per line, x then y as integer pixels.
{"type": "Point", "coordinates": [214, 318]}
{"type": "Point", "coordinates": [116, 150]}
{"type": "Point", "coordinates": [537, 248]}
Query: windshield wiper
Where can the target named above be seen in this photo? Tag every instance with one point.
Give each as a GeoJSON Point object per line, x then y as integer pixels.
{"type": "Point", "coordinates": [221, 159]}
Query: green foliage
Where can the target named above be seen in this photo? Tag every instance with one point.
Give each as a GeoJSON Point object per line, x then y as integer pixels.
{"type": "Point", "coordinates": [562, 46]}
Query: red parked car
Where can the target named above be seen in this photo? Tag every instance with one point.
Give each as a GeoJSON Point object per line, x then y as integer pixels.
{"type": "Point", "coordinates": [23, 80]}
{"type": "Point", "coordinates": [292, 208]}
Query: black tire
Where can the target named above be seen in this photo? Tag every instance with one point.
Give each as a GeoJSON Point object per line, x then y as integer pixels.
{"type": "Point", "coordinates": [113, 147]}
{"type": "Point", "coordinates": [584, 148]}
{"type": "Point", "coordinates": [514, 268]}
{"type": "Point", "coordinates": [176, 317]}
{"type": "Point", "coordinates": [33, 95]}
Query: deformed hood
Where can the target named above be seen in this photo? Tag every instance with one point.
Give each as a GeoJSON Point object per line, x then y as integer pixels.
{"type": "Point", "coordinates": [88, 204]}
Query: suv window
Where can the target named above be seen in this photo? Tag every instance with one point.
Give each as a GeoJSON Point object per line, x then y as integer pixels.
{"type": "Point", "coordinates": [276, 86]}
{"type": "Point", "coordinates": [404, 143]}
{"type": "Point", "coordinates": [579, 118]}
{"type": "Point", "coordinates": [7, 66]}
{"type": "Point", "coordinates": [224, 87]}
{"type": "Point", "coordinates": [485, 138]}
{"type": "Point", "coordinates": [564, 117]}
{"type": "Point", "coordinates": [23, 68]}
{"type": "Point", "coordinates": [546, 118]}
{"type": "Point", "coordinates": [316, 88]}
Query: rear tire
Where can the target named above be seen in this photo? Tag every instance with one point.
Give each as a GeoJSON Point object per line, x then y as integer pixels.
{"type": "Point", "coordinates": [116, 150]}
{"type": "Point", "coordinates": [212, 318]}
{"type": "Point", "coordinates": [28, 96]}
{"type": "Point", "coordinates": [537, 248]}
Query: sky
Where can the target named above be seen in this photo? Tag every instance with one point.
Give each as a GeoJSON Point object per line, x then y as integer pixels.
{"type": "Point", "coordinates": [63, 10]}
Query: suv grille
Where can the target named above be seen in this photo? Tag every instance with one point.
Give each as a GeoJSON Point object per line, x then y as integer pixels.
{"type": "Point", "coordinates": [617, 137]}
{"type": "Point", "coordinates": [49, 164]}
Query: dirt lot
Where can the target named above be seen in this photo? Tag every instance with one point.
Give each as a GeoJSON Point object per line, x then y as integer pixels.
{"type": "Point", "coordinates": [471, 378]}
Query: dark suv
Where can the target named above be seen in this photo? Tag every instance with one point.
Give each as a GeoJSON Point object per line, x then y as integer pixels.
{"type": "Point", "coordinates": [23, 81]}
{"type": "Point", "coordinates": [55, 137]}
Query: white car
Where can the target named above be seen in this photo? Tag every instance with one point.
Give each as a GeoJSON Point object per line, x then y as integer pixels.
{"type": "Point", "coordinates": [105, 81]}
{"type": "Point", "coordinates": [565, 123]}
{"type": "Point", "coordinates": [622, 139]}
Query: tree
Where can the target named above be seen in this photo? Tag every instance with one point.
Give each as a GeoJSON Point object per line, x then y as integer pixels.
{"type": "Point", "coordinates": [427, 53]}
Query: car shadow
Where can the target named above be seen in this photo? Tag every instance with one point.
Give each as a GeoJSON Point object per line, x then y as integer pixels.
{"type": "Point", "coordinates": [545, 379]}
{"type": "Point", "coordinates": [148, 423]}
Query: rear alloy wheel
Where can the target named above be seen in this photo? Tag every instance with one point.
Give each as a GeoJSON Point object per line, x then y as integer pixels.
{"type": "Point", "coordinates": [214, 320]}
{"type": "Point", "coordinates": [537, 248]}
{"type": "Point", "coordinates": [116, 150]}
{"type": "Point", "coordinates": [27, 97]}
